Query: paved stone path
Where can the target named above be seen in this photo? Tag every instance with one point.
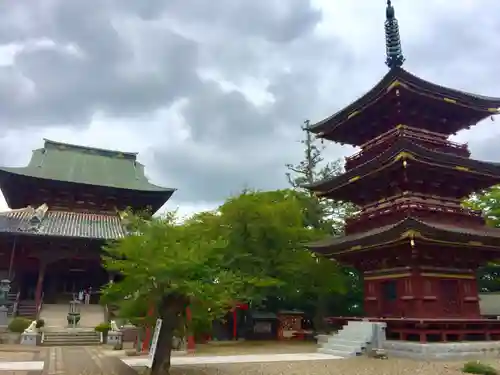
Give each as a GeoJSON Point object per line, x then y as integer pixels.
{"type": "Point", "coordinates": [83, 360]}
{"type": "Point", "coordinates": [92, 361]}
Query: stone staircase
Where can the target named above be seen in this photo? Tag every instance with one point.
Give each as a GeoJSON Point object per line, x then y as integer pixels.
{"type": "Point", "coordinates": [353, 339]}
{"type": "Point", "coordinates": [70, 337]}
{"type": "Point", "coordinates": [27, 309]}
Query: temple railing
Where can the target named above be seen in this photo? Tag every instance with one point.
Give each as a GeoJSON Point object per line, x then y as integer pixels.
{"type": "Point", "coordinates": [381, 143]}
{"type": "Point", "coordinates": [39, 306]}
{"type": "Point", "coordinates": [16, 304]}
{"type": "Point", "coordinates": [406, 202]}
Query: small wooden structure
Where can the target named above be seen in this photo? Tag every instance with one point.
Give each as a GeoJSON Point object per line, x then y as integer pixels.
{"type": "Point", "coordinates": [290, 324]}
{"type": "Point", "coordinates": [263, 326]}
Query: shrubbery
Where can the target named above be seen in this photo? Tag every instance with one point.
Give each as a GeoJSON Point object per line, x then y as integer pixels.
{"type": "Point", "coordinates": [18, 325]}
{"type": "Point", "coordinates": [103, 328]}
{"type": "Point", "coordinates": [476, 367]}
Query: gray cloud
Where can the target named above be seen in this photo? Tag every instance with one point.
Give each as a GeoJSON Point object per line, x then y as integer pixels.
{"type": "Point", "coordinates": [247, 72]}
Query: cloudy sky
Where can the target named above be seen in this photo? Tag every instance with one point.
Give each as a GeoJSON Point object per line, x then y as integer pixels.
{"type": "Point", "coordinates": [212, 94]}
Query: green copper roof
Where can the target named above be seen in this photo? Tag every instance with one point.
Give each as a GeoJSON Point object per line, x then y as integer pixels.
{"type": "Point", "coordinates": [87, 165]}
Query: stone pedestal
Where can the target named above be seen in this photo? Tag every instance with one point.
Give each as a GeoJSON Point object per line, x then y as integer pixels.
{"type": "Point", "coordinates": [115, 338]}
{"type": "Point", "coordinates": [379, 337]}
{"type": "Point", "coordinates": [3, 316]}
{"type": "Point", "coordinates": [29, 338]}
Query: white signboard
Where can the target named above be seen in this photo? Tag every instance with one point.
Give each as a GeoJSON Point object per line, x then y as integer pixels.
{"type": "Point", "coordinates": [154, 343]}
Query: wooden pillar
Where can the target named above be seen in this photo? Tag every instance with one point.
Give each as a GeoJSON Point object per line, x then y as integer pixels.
{"type": "Point", "coordinates": [147, 336]}
{"type": "Point", "coordinates": [417, 282]}
{"type": "Point", "coordinates": [235, 323]}
{"type": "Point", "coordinates": [12, 257]}
{"type": "Point", "coordinates": [39, 284]}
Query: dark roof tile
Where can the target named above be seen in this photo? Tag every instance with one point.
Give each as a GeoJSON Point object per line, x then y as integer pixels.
{"type": "Point", "coordinates": [62, 224]}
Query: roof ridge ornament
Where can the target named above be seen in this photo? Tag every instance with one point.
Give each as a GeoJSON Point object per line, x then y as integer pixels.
{"type": "Point", "coordinates": [394, 52]}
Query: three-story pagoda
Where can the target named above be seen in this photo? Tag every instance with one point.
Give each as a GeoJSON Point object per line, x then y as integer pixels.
{"type": "Point", "coordinates": [416, 246]}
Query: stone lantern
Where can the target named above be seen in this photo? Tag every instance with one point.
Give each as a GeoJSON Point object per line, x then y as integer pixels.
{"type": "Point", "coordinates": [4, 299]}
{"type": "Point", "coordinates": [74, 313]}
{"type": "Point", "coordinates": [4, 292]}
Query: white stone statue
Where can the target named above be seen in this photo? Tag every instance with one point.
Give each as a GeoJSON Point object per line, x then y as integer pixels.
{"type": "Point", "coordinates": [31, 328]}
{"type": "Point", "coordinates": [114, 326]}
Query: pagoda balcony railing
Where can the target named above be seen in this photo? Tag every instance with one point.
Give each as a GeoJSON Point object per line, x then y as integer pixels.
{"type": "Point", "coordinates": [427, 139]}
{"type": "Point", "coordinates": [410, 195]}
{"type": "Point", "coordinates": [404, 204]}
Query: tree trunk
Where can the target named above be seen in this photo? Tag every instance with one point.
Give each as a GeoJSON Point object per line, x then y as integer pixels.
{"type": "Point", "coordinates": [320, 314]}
{"type": "Point", "coordinates": [170, 310]}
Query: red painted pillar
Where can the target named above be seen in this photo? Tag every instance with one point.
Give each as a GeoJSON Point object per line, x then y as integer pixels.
{"type": "Point", "coordinates": [39, 286]}
{"type": "Point", "coordinates": [235, 323]}
{"type": "Point", "coordinates": [147, 336]}
{"type": "Point", "coordinates": [190, 337]}
{"type": "Point", "coordinates": [12, 256]}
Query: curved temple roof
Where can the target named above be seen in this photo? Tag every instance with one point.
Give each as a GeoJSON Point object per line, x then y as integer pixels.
{"type": "Point", "coordinates": [398, 77]}
{"type": "Point", "coordinates": [407, 229]}
{"type": "Point", "coordinates": [405, 149]}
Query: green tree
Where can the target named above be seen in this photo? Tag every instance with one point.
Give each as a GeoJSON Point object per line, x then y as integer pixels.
{"type": "Point", "coordinates": [265, 234]}
{"type": "Point", "coordinates": [171, 266]}
{"type": "Point", "coordinates": [488, 202]}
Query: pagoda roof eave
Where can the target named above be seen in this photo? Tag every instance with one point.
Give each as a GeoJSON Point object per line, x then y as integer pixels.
{"type": "Point", "coordinates": [406, 230]}
{"type": "Point", "coordinates": [400, 77]}
{"type": "Point", "coordinates": [404, 149]}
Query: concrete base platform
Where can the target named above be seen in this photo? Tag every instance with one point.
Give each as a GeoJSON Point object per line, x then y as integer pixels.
{"type": "Point", "coordinates": [257, 358]}
{"type": "Point", "coordinates": [22, 366]}
{"type": "Point", "coordinates": [449, 350]}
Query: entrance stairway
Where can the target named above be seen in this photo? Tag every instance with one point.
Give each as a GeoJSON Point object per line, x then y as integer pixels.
{"type": "Point", "coordinates": [71, 337]}
{"type": "Point", "coordinates": [11, 300]}
{"type": "Point", "coordinates": [352, 340]}
{"type": "Point", "coordinates": [27, 309]}
{"type": "Point", "coordinates": [56, 330]}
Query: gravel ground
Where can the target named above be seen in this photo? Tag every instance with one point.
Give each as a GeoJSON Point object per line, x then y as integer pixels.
{"type": "Point", "coordinates": [255, 347]}
{"type": "Point", "coordinates": [16, 356]}
{"type": "Point", "coordinates": [355, 366]}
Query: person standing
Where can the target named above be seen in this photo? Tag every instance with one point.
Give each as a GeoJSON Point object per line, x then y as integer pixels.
{"type": "Point", "coordinates": [80, 295]}
{"type": "Point", "coordinates": [88, 293]}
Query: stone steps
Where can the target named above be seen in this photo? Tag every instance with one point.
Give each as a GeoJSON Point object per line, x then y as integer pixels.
{"type": "Point", "coordinates": [69, 338]}
{"type": "Point", "coordinates": [354, 339]}
{"type": "Point", "coordinates": [27, 309]}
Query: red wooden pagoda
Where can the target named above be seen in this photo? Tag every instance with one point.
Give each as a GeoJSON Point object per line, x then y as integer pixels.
{"type": "Point", "coordinates": [416, 246]}
{"type": "Point", "coordinates": [64, 206]}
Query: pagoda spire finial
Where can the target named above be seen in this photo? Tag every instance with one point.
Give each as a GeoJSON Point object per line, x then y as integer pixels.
{"type": "Point", "coordinates": [395, 58]}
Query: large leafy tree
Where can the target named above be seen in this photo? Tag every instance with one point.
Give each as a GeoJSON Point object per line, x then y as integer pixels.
{"type": "Point", "coordinates": [170, 266]}
{"type": "Point", "coordinates": [266, 233]}
{"type": "Point", "coordinates": [488, 202]}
